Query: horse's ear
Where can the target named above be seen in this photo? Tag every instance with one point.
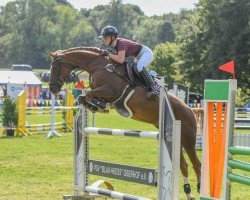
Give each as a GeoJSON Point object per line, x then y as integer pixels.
{"type": "Point", "coordinates": [52, 55]}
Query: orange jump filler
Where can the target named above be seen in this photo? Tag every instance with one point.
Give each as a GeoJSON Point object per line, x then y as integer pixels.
{"type": "Point", "coordinates": [217, 138]}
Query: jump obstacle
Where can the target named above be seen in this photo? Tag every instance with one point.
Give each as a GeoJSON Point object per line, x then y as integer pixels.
{"type": "Point", "coordinates": [180, 90]}
{"type": "Point", "coordinates": [218, 150]}
{"type": "Point", "coordinates": [165, 178]}
{"type": "Point", "coordinates": [23, 111]}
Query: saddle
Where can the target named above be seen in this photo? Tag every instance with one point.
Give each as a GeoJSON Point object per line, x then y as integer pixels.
{"type": "Point", "coordinates": [134, 76]}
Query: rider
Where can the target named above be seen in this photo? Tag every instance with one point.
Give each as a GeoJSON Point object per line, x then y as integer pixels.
{"type": "Point", "coordinates": [124, 48]}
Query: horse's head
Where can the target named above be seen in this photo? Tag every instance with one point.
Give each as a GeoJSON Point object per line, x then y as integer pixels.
{"type": "Point", "coordinates": [58, 71]}
{"type": "Point", "coordinates": [64, 62]}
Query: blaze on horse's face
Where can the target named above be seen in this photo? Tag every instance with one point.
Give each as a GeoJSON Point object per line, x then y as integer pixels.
{"type": "Point", "coordinates": [58, 73]}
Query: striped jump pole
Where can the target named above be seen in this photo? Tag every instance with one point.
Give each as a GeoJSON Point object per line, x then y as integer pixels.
{"type": "Point", "coordinates": [37, 127]}
{"type": "Point", "coordinates": [57, 108]}
{"type": "Point", "coordinates": [113, 194]}
{"type": "Point", "coordinates": [43, 112]}
{"type": "Point", "coordinates": [165, 177]}
{"type": "Point", "coordinates": [121, 132]}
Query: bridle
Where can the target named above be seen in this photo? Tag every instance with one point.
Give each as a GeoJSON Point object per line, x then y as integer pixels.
{"type": "Point", "coordinates": [77, 70]}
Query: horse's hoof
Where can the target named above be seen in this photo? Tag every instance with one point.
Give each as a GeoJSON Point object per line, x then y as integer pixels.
{"type": "Point", "coordinates": [187, 188]}
{"type": "Point", "coordinates": [190, 197]}
{"type": "Point", "coordinates": [198, 187]}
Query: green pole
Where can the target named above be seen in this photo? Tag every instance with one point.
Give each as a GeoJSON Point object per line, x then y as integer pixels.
{"type": "Point", "coordinates": [239, 179]}
{"type": "Point", "coordinates": [236, 164]}
{"type": "Point", "coordinates": [235, 150]}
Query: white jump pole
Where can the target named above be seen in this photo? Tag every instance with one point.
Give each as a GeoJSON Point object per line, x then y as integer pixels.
{"type": "Point", "coordinates": [52, 131]}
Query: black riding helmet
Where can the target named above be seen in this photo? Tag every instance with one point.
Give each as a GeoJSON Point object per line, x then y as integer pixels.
{"type": "Point", "coordinates": [108, 31]}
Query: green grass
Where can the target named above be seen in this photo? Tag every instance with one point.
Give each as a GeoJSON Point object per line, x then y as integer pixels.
{"type": "Point", "coordinates": [39, 168]}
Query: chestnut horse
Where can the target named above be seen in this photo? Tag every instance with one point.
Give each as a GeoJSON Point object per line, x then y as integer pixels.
{"type": "Point", "coordinates": [108, 85]}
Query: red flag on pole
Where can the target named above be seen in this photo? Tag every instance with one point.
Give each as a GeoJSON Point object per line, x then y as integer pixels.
{"type": "Point", "coordinates": [228, 67]}
{"type": "Point", "coordinates": [80, 85]}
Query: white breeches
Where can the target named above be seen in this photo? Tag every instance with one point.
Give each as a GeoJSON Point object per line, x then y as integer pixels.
{"type": "Point", "coordinates": [144, 58]}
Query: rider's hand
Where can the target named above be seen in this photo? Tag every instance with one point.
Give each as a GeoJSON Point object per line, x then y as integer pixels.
{"type": "Point", "coordinates": [105, 53]}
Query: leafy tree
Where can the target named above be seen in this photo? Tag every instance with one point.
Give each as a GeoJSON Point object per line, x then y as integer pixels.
{"type": "Point", "coordinates": [10, 31]}
{"type": "Point", "coordinates": [165, 62]}
{"type": "Point", "coordinates": [215, 34]}
{"type": "Point", "coordinates": [147, 32]}
{"type": "Point", "coordinates": [231, 40]}
{"type": "Point", "coordinates": [95, 16]}
{"type": "Point", "coordinates": [166, 32]}
{"type": "Point", "coordinates": [66, 19]}
{"type": "Point", "coordinates": [25, 25]}
{"type": "Point", "coordinates": [125, 17]}
{"type": "Point", "coordinates": [82, 34]}
{"type": "Point", "coordinates": [192, 51]}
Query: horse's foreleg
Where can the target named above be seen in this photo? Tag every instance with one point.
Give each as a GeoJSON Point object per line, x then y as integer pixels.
{"type": "Point", "coordinates": [96, 98]}
{"type": "Point", "coordinates": [93, 108]}
{"type": "Point", "coordinates": [82, 100]}
{"type": "Point", "coordinates": [101, 94]}
{"type": "Point", "coordinates": [104, 92]}
{"type": "Point", "coordinates": [184, 171]}
{"type": "Point", "coordinates": [101, 104]}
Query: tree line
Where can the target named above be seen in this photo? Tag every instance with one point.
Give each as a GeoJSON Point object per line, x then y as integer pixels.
{"type": "Point", "coordinates": [188, 47]}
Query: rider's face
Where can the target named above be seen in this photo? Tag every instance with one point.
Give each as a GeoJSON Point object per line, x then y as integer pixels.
{"type": "Point", "coordinates": [107, 40]}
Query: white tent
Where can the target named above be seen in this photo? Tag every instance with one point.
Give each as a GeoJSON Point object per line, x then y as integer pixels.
{"type": "Point", "coordinates": [19, 77]}
{"type": "Point", "coordinates": [19, 80]}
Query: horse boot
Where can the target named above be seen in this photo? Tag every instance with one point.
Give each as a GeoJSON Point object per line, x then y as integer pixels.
{"type": "Point", "coordinates": [149, 83]}
{"type": "Point", "coordinates": [90, 106]}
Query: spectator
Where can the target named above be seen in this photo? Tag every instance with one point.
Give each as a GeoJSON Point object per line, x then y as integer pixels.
{"type": "Point", "coordinates": [46, 94]}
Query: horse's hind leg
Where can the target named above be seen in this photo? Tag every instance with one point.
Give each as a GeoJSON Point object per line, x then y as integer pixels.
{"type": "Point", "coordinates": [196, 164]}
{"type": "Point", "coordinates": [184, 171]}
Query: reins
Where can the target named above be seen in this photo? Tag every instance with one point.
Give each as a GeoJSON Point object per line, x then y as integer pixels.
{"type": "Point", "coordinates": [78, 69]}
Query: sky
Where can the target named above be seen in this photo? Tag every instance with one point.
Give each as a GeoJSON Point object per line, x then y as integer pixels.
{"type": "Point", "coordinates": [149, 7]}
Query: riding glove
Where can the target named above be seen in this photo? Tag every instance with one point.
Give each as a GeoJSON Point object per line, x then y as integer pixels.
{"type": "Point", "coordinates": [105, 53]}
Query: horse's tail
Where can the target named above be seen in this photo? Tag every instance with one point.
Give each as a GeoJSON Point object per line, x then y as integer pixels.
{"type": "Point", "coordinates": [199, 115]}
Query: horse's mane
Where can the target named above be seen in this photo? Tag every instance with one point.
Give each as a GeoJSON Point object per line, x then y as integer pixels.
{"type": "Point", "coordinates": [92, 49]}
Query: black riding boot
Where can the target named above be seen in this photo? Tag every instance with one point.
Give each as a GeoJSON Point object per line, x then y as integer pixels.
{"type": "Point", "coordinates": [149, 83]}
